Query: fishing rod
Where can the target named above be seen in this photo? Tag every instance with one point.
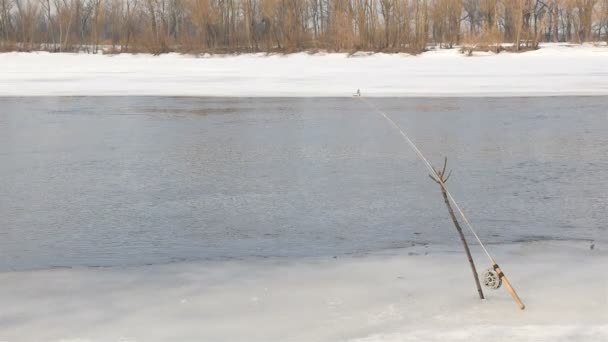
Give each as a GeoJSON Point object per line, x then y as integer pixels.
{"type": "Point", "coordinates": [492, 278]}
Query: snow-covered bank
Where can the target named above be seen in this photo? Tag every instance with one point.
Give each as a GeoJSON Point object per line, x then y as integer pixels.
{"type": "Point", "coordinates": [552, 70]}
{"type": "Point", "coordinates": [419, 294]}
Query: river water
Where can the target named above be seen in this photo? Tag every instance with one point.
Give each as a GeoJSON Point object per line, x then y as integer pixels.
{"type": "Point", "coordinates": [113, 181]}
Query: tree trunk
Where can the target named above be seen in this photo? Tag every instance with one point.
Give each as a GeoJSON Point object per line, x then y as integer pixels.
{"type": "Point", "coordinates": [555, 23]}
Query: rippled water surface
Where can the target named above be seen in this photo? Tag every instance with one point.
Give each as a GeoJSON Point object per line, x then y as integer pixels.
{"type": "Point", "coordinates": [120, 181]}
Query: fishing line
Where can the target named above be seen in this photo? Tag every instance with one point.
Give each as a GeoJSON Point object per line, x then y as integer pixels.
{"type": "Point", "coordinates": [431, 170]}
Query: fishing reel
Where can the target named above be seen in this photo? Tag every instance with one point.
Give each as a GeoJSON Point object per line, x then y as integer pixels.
{"type": "Point", "coordinates": [491, 279]}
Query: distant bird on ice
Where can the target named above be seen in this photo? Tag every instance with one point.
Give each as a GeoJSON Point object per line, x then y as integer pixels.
{"type": "Point", "coordinates": [592, 246]}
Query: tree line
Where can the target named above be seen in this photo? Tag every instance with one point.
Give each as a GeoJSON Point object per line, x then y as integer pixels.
{"type": "Point", "coordinates": [219, 26]}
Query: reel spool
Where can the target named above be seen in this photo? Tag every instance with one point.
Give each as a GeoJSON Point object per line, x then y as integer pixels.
{"type": "Point", "coordinates": [491, 279]}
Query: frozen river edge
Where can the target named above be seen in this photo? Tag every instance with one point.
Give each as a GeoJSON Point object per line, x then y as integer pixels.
{"type": "Point", "coordinates": [415, 294]}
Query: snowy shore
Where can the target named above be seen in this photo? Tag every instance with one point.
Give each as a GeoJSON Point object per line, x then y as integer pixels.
{"type": "Point", "coordinates": [418, 294]}
{"type": "Point", "coordinates": [555, 69]}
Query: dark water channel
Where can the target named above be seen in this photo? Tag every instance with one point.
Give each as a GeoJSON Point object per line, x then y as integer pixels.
{"type": "Point", "coordinates": [107, 181]}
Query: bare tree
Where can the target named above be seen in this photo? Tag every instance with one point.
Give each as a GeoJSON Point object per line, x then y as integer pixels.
{"type": "Point", "coordinates": [6, 25]}
{"type": "Point", "coordinates": [159, 26]}
{"type": "Point", "coordinates": [441, 178]}
{"type": "Point", "coordinates": [585, 14]}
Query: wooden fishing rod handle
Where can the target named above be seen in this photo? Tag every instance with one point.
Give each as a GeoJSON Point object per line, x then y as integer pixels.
{"type": "Point", "coordinates": [509, 286]}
